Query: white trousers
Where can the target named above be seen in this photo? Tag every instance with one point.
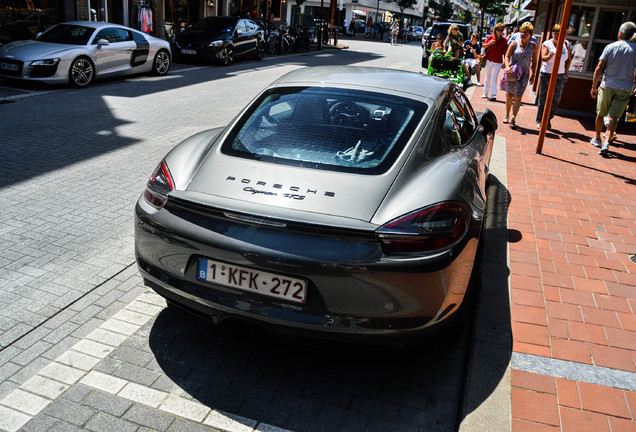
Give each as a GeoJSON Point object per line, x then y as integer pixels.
{"type": "Point", "coordinates": [492, 73]}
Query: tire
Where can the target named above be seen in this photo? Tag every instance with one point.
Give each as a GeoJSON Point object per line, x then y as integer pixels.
{"type": "Point", "coordinates": [424, 62]}
{"type": "Point", "coordinates": [227, 56]}
{"type": "Point", "coordinates": [260, 51]}
{"type": "Point", "coordinates": [82, 72]}
{"type": "Point", "coordinates": [161, 64]}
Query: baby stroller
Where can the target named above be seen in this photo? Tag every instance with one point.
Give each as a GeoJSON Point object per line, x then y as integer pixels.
{"type": "Point", "coordinates": [448, 67]}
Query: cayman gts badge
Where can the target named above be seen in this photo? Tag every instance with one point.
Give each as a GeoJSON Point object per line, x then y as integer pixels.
{"type": "Point", "coordinates": [278, 190]}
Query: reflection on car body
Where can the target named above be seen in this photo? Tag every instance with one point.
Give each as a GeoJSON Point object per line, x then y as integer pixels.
{"type": "Point", "coordinates": [344, 202]}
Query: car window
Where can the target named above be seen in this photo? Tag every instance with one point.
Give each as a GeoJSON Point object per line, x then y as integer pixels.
{"type": "Point", "coordinates": [67, 34]}
{"type": "Point", "coordinates": [463, 118]}
{"type": "Point", "coordinates": [241, 25]}
{"type": "Point", "coordinates": [251, 26]}
{"type": "Point", "coordinates": [113, 35]}
{"type": "Point", "coordinates": [215, 25]}
{"type": "Point", "coordinates": [332, 129]}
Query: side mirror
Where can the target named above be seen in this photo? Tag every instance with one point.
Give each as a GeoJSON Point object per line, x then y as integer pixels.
{"type": "Point", "coordinates": [239, 32]}
{"type": "Point", "coordinates": [103, 42]}
{"type": "Point", "coordinates": [488, 121]}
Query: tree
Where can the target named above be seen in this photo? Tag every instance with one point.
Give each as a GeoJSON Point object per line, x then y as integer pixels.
{"type": "Point", "coordinates": [466, 16]}
{"type": "Point", "coordinates": [403, 4]}
{"type": "Point", "coordinates": [493, 7]}
{"type": "Point", "coordinates": [442, 9]}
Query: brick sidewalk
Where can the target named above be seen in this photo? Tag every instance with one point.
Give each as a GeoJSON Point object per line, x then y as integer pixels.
{"type": "Point", "coordinates": [572, 226]}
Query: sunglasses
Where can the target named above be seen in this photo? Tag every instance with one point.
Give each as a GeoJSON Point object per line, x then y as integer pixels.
{"type": "Point", "coordinates": [525, 32]}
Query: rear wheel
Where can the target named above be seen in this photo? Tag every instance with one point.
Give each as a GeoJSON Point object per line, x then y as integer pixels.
{"type": "Point", "coordinates": [82, 72]}
{"type": "Point", "coordinates": [227, 56]}
{"type": "Point", "coordinates": [161, 65]}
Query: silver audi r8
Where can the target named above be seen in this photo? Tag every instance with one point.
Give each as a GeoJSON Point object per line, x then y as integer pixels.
{"type": "Point", "coordinates": [343, 202]}
{"type": "Point", "coordinates": [78, 52]}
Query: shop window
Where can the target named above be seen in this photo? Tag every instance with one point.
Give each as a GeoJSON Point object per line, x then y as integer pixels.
{"type": "Point", "coordinates": [608, 24]}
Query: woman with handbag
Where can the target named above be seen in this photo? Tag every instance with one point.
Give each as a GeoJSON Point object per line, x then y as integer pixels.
{"type": "Point", "coordinates": [548, 53]}
{"type": "Point", "coordinates": [495, 46]}
{"type": "Point", "coordinates": [520, 65]}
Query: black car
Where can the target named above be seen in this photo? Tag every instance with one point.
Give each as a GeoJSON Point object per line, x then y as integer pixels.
{"type": "Point", "coordinates": [441, 28]}
{"type": "Point", "coordinates": [221, 39]}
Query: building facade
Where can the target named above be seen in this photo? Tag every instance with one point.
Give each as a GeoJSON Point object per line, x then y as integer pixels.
{"type": "Point", "coordinates": [592, 25]}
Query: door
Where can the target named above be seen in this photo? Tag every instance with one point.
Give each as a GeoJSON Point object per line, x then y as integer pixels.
{"type": "Point", "coordinates": [118, 54]}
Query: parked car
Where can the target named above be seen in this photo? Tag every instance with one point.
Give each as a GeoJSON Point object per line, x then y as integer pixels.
{"type": "Point", "coordinates": [415, 33]}
{"type": "Point", "coordinates": [441, 28]}
{"type": "Point", "coordinates": [344, 202]}
{"type": "Point", "coordinates": [425, 36]}
{"type": "Point", "coordinates": [222, 39]}
{"type": "Point", "coordinates": [77, 52]}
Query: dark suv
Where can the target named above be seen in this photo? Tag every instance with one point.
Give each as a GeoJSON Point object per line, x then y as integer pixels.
{"type": "Point", "coordinates": [442, 28]}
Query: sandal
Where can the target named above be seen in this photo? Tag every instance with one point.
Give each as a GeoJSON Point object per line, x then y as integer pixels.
{"type": "Point", "coordinates": [506, 119]}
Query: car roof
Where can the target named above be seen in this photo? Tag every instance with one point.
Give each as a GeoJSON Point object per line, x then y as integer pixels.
{"type": "Point", "coordinates": [366, 78]}
{"type": "Point", "coordinates": [94, 24]}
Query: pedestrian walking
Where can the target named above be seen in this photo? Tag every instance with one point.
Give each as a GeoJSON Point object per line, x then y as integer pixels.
{"type": "Point", "coordinates": [495, 46]}
{"type": "Point", "coordinates": [395, 29]}
{"type": "Point", "coordinates": [520, 65]}
{"type": "Point", "coordinates": [617, 67]}
{"type": "Point", "coordinates": [548, 54]}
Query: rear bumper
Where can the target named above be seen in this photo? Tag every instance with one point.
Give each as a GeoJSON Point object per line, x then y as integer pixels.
{"type": "Point", "coordinates": [364, 295]}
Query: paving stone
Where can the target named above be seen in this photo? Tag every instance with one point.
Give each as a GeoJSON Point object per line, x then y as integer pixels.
{"type": "Point", "coordinates": [39, 423]}
{"type": "Point", "coordinates": [26, 402]}
{"type": "Point", "coordinates": [142, 394]}
{"type": "Point", "coordinates": [93, 348]}
{"type": "Point", "coordinates": [104, 382]}
{"type": "Point", "coordinates": [62, 373]}
{"type": "Point", "coordinates": [107, 403]}
{"type": "Point", "coordinates": [69, 412]}
{"type": "Point", "coordinates": [188, 409]}
{"type": "Point", "coordinates": [62, 426]}
{"type": "Point", "coordinates": [181, 425]}
{"type": "Point", "coordinates": [137, 374]}
{"type": "Point", "coordinates": [77, 393]}
{"type": "Point", "coordinates": [105, 423]}
{"type": "Point", "coordinates": [230, 422]}
{"type": "Point", "coordinates": [11, 420]}
{"type": "Point", "coordinates": [107, 337]}
{"type": "Point", "coordinates": [78, 360]}
{"type": "Point", "coordinates": [119, 326]}
{"type": "Point", "coordinates": [151, 418]}
{"type": "Point", "coordinates": [46, 387]}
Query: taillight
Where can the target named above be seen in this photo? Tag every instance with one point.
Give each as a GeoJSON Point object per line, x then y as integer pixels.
{"type": "Point", "coordinates": [157, 188]}
{"type": "Point", "coordinates": [427, 229]}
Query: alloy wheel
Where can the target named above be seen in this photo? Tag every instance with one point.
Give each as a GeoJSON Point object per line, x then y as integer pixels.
{"type": "Point", "coordinates": [227, 55]}
{"type": "Point", "coordinates": [82, 72]}
{"type": "Point", "coordinates": [162, 63]}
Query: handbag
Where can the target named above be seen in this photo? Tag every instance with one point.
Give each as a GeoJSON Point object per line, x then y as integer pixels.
{"type": "Point", "coordinates": [482, 59]}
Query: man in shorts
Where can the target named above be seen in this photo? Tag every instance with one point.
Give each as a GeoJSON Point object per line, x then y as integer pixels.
{"type": "Point", "coordinates": [617, 66]}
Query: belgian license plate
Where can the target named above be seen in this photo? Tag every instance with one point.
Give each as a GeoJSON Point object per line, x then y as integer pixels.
{"type": "Point", "coordinates": [256, 281]}
{"type": "Point", "coordinates": [9, 66]}
{"type": "Point", "coordinates": [190, 52]}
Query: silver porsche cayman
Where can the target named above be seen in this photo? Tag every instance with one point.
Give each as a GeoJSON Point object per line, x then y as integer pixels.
{"type": "Point", "coordinates": [77, 52]}
{"type": "Point", "coordinates": [343, 202]}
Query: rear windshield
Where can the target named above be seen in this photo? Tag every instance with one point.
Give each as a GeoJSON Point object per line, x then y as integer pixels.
{"type": "Point", "coordinates": [67, 34]}
{"type": "Point", "coordinates": [326, 128]}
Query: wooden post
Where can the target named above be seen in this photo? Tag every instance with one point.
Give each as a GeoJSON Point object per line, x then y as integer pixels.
{"type": "Point", "coordinates": [565, 19]}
